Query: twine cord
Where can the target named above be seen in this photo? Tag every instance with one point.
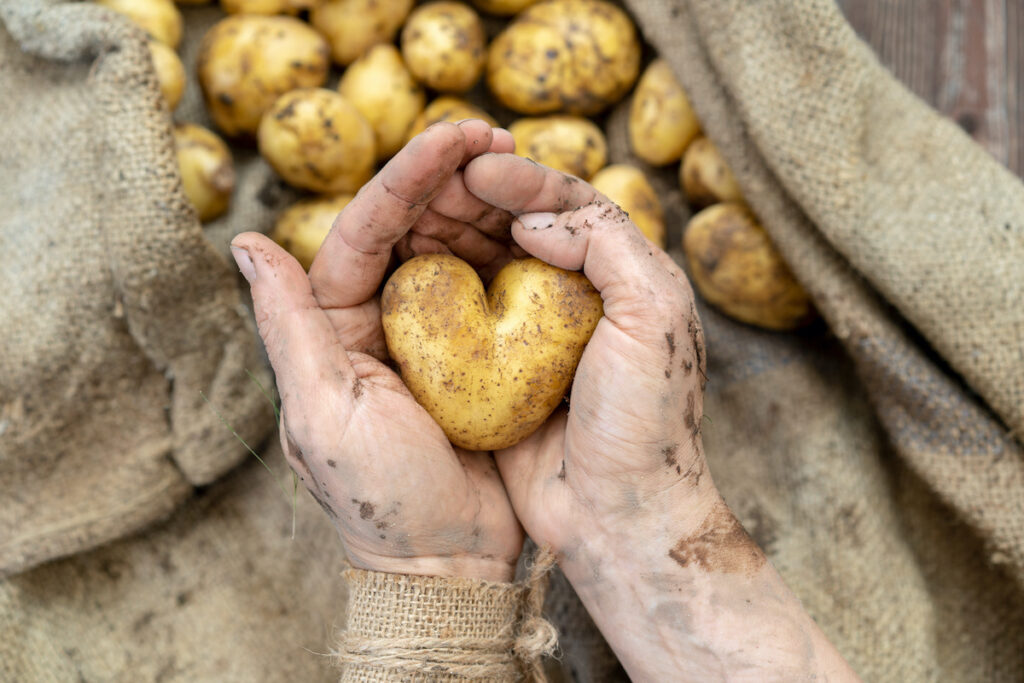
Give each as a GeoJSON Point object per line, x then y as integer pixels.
{"type": "Point", "coordinates": [515, 652]}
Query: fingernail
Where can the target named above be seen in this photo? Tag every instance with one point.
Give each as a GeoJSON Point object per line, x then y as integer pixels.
{"type": "Point", "coordinates": [536, 221]}
{"type": "Point", "coordinates": [244, 262]}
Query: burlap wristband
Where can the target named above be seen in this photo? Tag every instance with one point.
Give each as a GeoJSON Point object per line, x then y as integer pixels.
{"type": "Point", "coordinates": [426, 628]}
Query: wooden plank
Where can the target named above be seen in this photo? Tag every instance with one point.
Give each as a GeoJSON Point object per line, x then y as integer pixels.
{"type": "Point", "coordinates": [1015, 84]}
{"type": "Point", "coordinates": [962, 56]}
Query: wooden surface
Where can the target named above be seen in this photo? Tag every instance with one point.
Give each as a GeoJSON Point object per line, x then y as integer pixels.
{"type": "Point", "coordinates": [965, 57]}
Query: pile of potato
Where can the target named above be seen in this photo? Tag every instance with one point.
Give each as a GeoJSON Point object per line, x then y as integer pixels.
{"type": "Point", "coordinates": [549, 66]}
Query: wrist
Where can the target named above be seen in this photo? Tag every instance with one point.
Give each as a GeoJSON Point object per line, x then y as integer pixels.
{"type": "Point", "coordinates": [635, 535]}
{"type": "Point", "coordinates": [459, 566]}
{"type": "Point", "coordinates": [696, 599]}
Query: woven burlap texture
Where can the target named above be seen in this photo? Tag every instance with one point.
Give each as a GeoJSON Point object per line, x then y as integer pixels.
{"type": "Point", "coordinates": [119, 312]}
{"type": "Point", "coordinates": [220, 592]}
{"type": "Point", "coordinates": [468, 628]}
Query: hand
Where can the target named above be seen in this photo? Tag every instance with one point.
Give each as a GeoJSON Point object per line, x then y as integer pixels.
{"type": "Point", "coordinates": [630, 444]}
{"type": "Point", "coordinates": [402, 498]}
{"type": "Point", "coordinates": [618, 485]}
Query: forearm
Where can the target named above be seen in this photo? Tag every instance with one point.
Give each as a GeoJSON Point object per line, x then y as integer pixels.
{"type": "Point", "coordinates": [698, 600]}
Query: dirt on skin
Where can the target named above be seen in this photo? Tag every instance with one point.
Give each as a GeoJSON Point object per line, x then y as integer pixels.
{"type": "Point", "coordinates": [720, 544]}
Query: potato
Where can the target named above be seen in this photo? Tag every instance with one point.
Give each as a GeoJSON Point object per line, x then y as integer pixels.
{"type": "Point", "coordinates": [570, 144]}
{"type": "Point", "coordinates": [661, 121]}
{"type": "Point", "coordinates": [247, 61]}
{"type": "Point", "coordinates": [447, 108]}
{"type": "Point", "coordinates": [265, 6]}
{"type": "Point", "coordinates": [736, 267]}
{"type": "Point", "coordinates": [317, 140]}
{"type": "Point", "coordinates": [443, 44]}
{"type": "Point", "coordinates": [160, 18]}
{"type": "Point", "coordinates": [502, 7]}
{"type": "Point", "coordinates": [207, 173]}
{"type": "Point", "coordinates": [705, 177]}
{"type": "Point", "coordinates": [302, 227]}
{"type": "Point", "coordinates": [489, 370]}
{"type": "Point", "coordinates": [354, 26]}
{"type": "Point", "coordinates": [383, 91]}
{"type": "Point", "coordinates": [579, 56]}
{"type": "Point", "coordinates": [628, 187]}
{"type": "Point", "coordinates": [170, 72]}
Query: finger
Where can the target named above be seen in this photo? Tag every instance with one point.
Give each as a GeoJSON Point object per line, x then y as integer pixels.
{"type": "Point", "coordinates": [354, 256]}
{"type": "Point", "coordinates": [462, 239]}
{"type": "Point", "coordinates": [299, 339]}
{"type": "Point", "coordinates": [455, 201]}
{"type": "Point", "coordinates": [479, 137]}
{"type": "Point", "coordinates": [503, 142]}
{"type": "Point", "coordinates": [520, 185]}
{"type": "Point", "coordinates": [640, 294]}
{"type": "Point", "coordinates": [421, 244]}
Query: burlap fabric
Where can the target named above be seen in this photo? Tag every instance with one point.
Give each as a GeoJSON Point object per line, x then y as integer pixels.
{"type": "Point", "coordinates": [118, 312]}
{"type": "Point", "coordinates": [873, 458]}
{"type": "Point", "coordinates": [221, 592]}
{"type": "Point", "coordinates": [421, 628]}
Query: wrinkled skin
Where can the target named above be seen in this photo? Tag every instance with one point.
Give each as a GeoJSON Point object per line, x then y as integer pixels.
{"type": "Point", "coordinates": [616, 485]}
{"type": "Point", "coordinates": [403, 499]}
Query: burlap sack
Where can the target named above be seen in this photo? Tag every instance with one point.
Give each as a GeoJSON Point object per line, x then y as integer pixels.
{"type": "Point", "coordinates": [118, 312]}
{"type": "Point", "coordinates": [885, 491]}
{"type": "Point", "coordinates": [221, 593]}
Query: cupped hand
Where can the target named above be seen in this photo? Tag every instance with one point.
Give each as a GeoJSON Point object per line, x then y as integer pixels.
{"type": "Point", "coordinates": [402, 498]}
{"type": "Point", "coordinates": [626, 457]}
{"type": "Point", "coordinates": [618, 485]}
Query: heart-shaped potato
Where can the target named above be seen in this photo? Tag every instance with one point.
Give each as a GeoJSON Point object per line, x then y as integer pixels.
{"type": "Point", "coordinates": [489, 368]}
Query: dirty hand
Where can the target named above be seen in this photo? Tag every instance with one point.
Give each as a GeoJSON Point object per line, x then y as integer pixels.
{"type": "Point", "coordinates": [630, 443]}
{"type": "Point", "coordinates": [618, 485]}
{"type": "Point", "coordinates": [402, 498]}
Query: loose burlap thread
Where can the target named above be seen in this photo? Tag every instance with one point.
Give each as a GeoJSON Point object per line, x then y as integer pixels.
{"type": "Point", "coordinates": [403, 627]}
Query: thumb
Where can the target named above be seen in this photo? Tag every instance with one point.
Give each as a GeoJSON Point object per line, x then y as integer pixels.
{"type": "Point", "coordinates": [643, 294]}
{"type": "Point", "coordinates": [299, 338]}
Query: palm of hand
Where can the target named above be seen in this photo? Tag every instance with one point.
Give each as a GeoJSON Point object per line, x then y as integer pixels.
{"type": "Point", "coordinates": [403, 499]}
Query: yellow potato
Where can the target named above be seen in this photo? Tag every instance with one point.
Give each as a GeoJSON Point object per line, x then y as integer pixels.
{"type": "Point", "coordinates": [247, 61]}
{"type": "Point", "coordinates": [303, 226]}
{"type": "Point", "coordinates": [207, 173]}
{"type": "Point", "coordinates": [571, 144]}
{"type": "Point", "coordinates": [579, 56]}
{"type": "Point", "coordinates": [447, 108]}
{"type": "Point", "coordinates": [383, 91]}
{"type": "Point", "coordinates": [661, 121]}
{"type": "Point", "coordinates": [354, 26]}
{"type": "Point", "coordinates": [443, 44]}
{"type": "Point", "coordinates": [160, 18]}
{"type": "Point", "coordinates": [705, 177]}
{"type": "Point", "coordinates": [628, 187]}
{"type": "Point", "coordinates": [170, 72]}
{"type": "Point", "coordinates": [489, 370]}
{"type": "Point", "coordinates": [316, 139]}
{"type": "Point", "coordinates": [736, 267]}
{"type": "Point", "coordinates": [265, 6]}
{"type": "Point", "coordinates": [503, 7]}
